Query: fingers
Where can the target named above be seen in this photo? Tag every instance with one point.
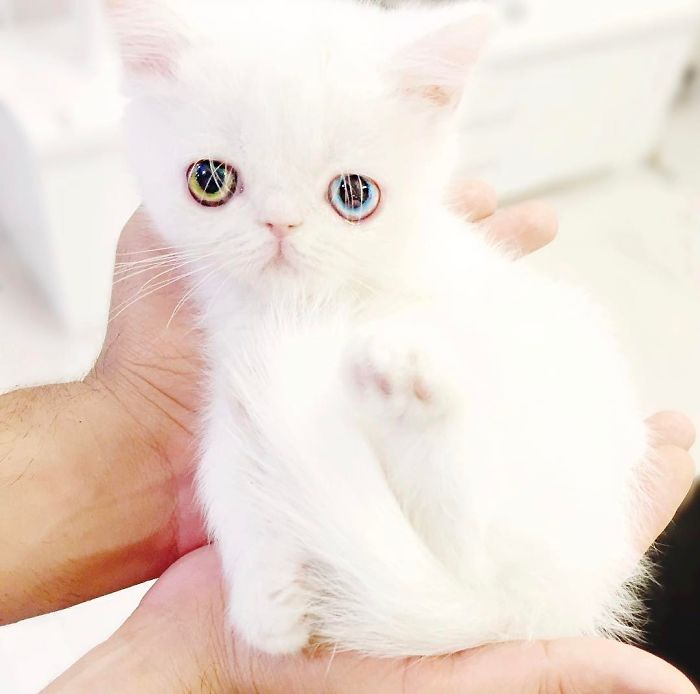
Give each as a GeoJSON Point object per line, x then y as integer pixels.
{"type": "Point", "coordinates": [671, 474]}
{"type": "Point", "coordinates": [668, 484]}
{"type": "Point", "coordinates": [473, 199]}
{"type": "Point", "coordinates": [591, 666]}
{"type": "Point", "coordinates": [527, 227]}
{"type": "Point", "coordinates": [673, 429]}
{"type": "Point", "coordinates": [568, 666]}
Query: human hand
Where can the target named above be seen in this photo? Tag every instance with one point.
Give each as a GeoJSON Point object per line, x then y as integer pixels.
{"type": "Point", "coordinates": [178, 640]}
{"type": "Point", "coordinates": [128, 485]}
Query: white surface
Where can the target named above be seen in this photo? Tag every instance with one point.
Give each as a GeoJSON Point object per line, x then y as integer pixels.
{"type": "Point", "coordinates": [633, 238]}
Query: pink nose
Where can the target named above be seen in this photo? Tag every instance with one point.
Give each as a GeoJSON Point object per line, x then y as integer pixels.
{"type": "Point", "coordinates": [281, 231]}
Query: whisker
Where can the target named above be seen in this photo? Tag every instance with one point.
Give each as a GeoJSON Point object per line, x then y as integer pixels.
{"type": "Point", "coordinates": [128, 273]}
{"type": "Point", "coordinates": [148, 261]}
{"type": "Point", "coordinates": [174, 264]}
{"type": "Point", "coordinates": [141, 295]}
{"type": "Point", "coordinates": [182, 246]}
{"type": "Point", "coordinates": [155, 278]}
{"type": "Point", "coordinates": [189, 294]}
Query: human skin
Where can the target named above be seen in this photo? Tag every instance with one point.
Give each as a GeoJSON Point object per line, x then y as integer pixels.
{"type": "Point", "coordinates": [96, 495]}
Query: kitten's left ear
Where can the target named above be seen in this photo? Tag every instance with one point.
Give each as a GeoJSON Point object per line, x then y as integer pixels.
{"type": "Point", "coordinates": [435, 66]}
{"type": "Point", "coordinates": [150, 33]}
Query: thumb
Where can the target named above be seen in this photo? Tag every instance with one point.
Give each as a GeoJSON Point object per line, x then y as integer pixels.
{"type": "Point", "coordinates": [598, 666]}
{"type": "Point", "coordinates": [567, 666]}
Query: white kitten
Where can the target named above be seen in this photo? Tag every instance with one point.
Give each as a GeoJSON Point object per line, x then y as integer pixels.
{"type": "Point", "coordinates": [413, 445]}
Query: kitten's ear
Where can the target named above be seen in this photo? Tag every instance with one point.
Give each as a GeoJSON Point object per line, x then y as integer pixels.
{"type": "Point", "coordinates": [435, 66]}
{"type": "Point", "coordinates": [150, 34]}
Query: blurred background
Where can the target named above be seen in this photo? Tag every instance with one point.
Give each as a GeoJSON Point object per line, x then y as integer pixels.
{"type": "Point", "coordinates": [593, 105]}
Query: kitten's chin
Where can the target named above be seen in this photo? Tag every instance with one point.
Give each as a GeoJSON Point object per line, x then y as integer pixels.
{"type": "Point", "coordinates": [285, 270]}
{"type": "Point", "coordinates": [280, 265]}
{"type": "Point", "coordinates": [290, 278]}
{"type": "Point", "coordinates": [276, 273]}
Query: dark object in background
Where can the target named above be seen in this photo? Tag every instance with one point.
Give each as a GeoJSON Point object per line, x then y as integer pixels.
{"type": "Point", "coordinates": [674, 604]}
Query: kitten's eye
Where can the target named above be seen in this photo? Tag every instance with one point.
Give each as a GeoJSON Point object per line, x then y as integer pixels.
{"type": "Point", "coordinates": [354, 197]}
{"type": "Point", "coordinates": [212, 183]}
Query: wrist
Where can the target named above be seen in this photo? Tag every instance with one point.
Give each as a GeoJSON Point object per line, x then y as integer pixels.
{"type": "Point", "coordinates": [83, 508]}
{"type": "Point", "coordinates": [159, 428]}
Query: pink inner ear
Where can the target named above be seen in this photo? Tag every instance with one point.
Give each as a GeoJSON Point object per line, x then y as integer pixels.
{"type": "Point", "coordinates": [436, 67]}
{"type": "Point", "coordinates": [148, 36]}
{"type": "Point", "coordinates": [148, 63]}
{"type": "Point", "coordinates": [437, 96]}
{"type": "Point", "coordinates": [151, 52]}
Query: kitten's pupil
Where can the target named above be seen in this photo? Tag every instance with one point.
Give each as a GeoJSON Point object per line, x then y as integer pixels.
{"type": "Point", "coordinates": [211, 177]}
{"type": "Point", "coordinates": [354, 190]}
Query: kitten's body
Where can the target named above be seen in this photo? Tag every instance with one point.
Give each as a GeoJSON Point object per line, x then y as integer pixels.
{"type": "Point", "coordinates": [413, 445]}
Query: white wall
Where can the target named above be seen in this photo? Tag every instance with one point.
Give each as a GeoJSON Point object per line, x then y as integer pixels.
{"type": "Point", "coordinates": [31, 10]}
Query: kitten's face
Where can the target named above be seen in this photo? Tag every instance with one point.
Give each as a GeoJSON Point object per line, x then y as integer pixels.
{"type": "Point", "coordinates": [256, 142]}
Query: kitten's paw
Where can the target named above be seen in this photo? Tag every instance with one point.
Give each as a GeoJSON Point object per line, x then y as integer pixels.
{"type": "Point", "coordinates": [270, 616]}
{"type": "Point", "coordinates": [402, 372]}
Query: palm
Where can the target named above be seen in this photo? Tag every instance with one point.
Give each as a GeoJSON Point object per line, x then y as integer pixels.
{"type": "Point", "coordinates": [564, 666]}
{"type": "Point", "coordinates": [151, 333]}
{"type": "Point", "coordinates": [152, 362]}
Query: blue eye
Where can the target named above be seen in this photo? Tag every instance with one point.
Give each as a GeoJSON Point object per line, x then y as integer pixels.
{"type": "Point", "coordinates": [354, 197]}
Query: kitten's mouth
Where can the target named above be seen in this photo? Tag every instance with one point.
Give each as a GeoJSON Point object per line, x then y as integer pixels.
{"type": "Point", "coordinates": [281, 260]}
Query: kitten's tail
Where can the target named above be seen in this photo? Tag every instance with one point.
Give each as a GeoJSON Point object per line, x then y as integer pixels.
{"type": "Point", "coordinates": [376, 586]}
{"type": "Point", "coordinates": [390, 597]}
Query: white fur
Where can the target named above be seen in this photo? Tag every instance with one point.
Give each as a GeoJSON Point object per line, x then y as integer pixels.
{"type": "Point", "coordinates": [412, 444]}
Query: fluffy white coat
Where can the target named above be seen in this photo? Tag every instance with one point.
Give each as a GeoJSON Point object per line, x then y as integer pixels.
{"type": "Point", "coordinates": [412, 444]}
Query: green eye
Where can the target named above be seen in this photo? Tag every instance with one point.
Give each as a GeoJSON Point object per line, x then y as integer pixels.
{"type": "Point", "coordinates": [212, 183]}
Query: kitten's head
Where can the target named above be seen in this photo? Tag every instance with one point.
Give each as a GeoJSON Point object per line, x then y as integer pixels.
{"type": "Point", "coordinates": [293, 142]}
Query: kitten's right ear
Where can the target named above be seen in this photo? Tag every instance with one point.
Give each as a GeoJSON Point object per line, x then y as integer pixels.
{"type": "Point", "coordinates": [150, 35]}
{"type": "Point", "coordinates": [434, 66]}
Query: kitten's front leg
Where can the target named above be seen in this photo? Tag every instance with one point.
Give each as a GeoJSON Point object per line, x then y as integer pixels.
{"type": "Point", "coordinates": [408, 387]}
{"type": "Point", "coordinates": [267, 603]}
